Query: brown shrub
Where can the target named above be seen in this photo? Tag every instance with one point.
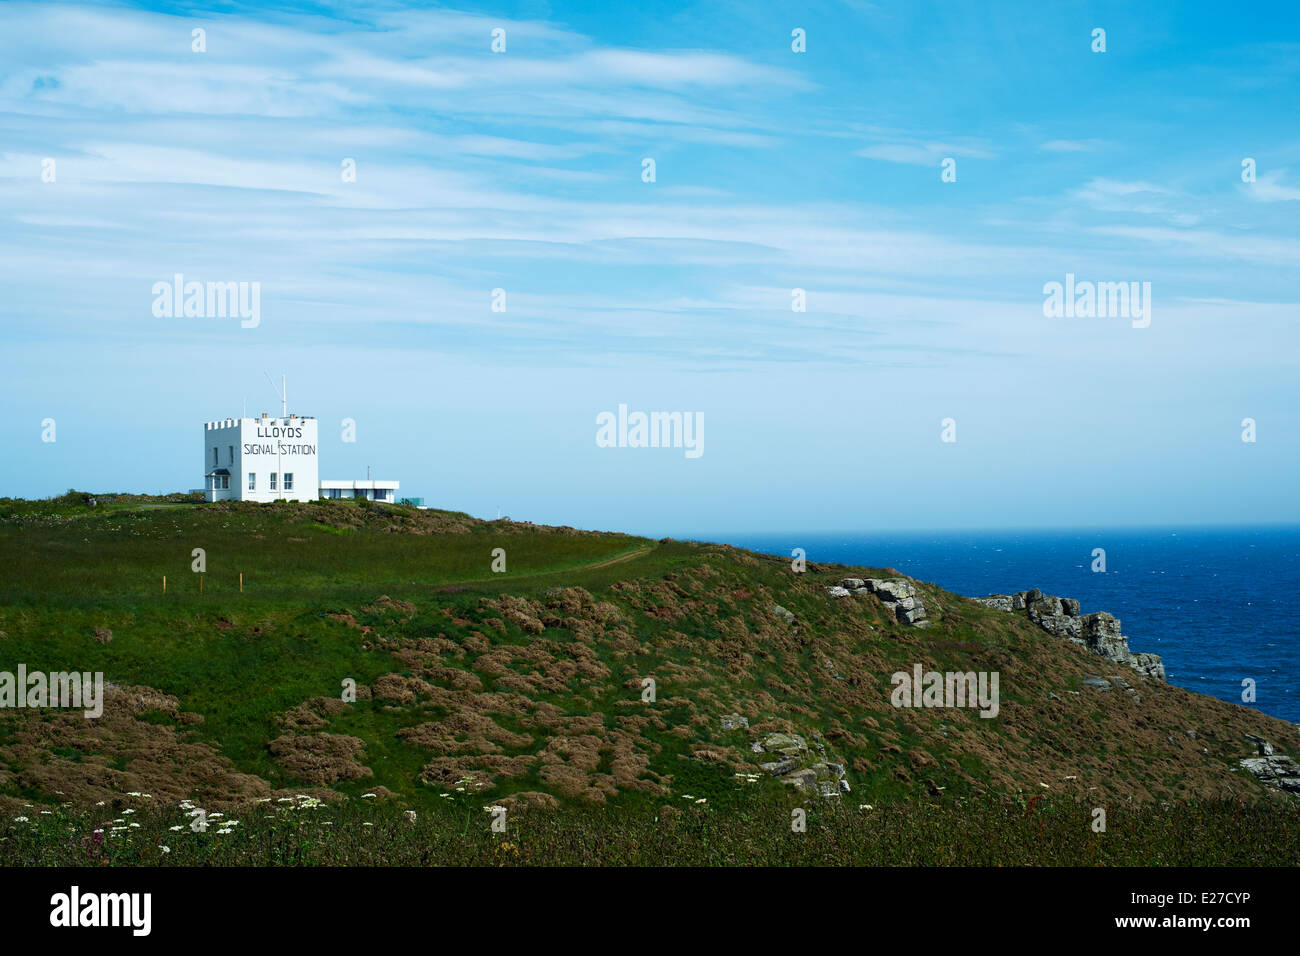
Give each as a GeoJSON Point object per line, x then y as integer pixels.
{"type": "Point", "coordinates": [320, 758]}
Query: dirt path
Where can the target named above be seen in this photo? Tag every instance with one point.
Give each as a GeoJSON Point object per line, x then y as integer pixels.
{"type": "Point", "coordinates": [619, 560]}
{"type": "Point", "coordinates": [607, 562]}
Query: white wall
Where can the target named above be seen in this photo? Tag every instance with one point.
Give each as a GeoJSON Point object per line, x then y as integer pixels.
{"type": "Point", "coordinates": [219, 438]}
{"type": "Point", "coordinates": [262, 447]}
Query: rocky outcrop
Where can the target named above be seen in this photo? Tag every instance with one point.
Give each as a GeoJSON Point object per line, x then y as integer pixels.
{"type": "Point", "coordinates": [734, 722]}
{"type": "Point", "coordinates": [1272, 769]}
{"type": "Point", "coordinates": [897, 594]}
{"type": "Point", "coordinates": [1103, 684]}
{"type": "Point", "coordinates": [1099, 631]}
{"type": "Point", "coordinates": [801, 767]}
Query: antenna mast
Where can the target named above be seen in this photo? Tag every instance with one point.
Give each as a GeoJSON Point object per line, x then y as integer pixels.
{"type": "Point", "coordinates": [282, 393]}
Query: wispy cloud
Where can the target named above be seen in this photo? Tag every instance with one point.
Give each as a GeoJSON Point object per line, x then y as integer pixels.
{"type": "Point", "coordinates": [922, 154]}
{"type": "Point", "coordinates": [1071, 145]}
{"type": "Point", "coordinates": [1270, 188]}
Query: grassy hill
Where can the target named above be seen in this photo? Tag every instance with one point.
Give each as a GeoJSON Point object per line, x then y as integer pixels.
{"type": "Point", "coordinates": [524, 689]}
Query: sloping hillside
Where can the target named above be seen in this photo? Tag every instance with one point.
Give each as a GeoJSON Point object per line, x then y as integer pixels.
{"type": "Point", "coordinates": [595, 669]}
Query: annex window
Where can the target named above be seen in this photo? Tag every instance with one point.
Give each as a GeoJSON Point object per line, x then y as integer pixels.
{"type": "Point", "coordinates": [252, 481]}
{"type": "Point", "coordinates": [288, 481]}
{"type": "Point", "coordinates": [273, 477]}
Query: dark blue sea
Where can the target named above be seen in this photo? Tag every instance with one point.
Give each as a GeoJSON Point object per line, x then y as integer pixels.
{"type": "Point", "coordinates": [1219, 605]}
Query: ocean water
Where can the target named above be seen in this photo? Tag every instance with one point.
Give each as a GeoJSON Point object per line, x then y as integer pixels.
{"type": "Point", "coordinates": [1218, 604]}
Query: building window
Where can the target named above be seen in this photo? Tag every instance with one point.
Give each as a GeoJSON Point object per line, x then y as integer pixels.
{"type": "Point", "coordinates": [231, 450]}
{"type": "Point", "coordinates": [215, 463]}
{"type": "Point", "coordinates": [273, 477]}
{"type": "Point", "coordinates": [225, 481]}
{"type": "Point", "coordinates": [252, 481]}
{"type": "Point", "coordinates": [288, 481]}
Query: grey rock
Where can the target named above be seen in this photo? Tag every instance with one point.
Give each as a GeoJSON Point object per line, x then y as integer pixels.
{"type": "Point", "coordinates": [822, 778]}
{"type": "Point", "coordinates": [908, 615]}
{"type": "Point", "coordinates": [1044, 606]}
{"type": "Point", "coordinates": [784, 744]}
{"type": "Point", "coordinates": [1148, 665]}
{"type": "Point", "coordinates": [734, 722]}
{"type": "Point", "coordinates": [853, 583]}
{"type": "Point", "coordinates": [1277, 771]}
{"type": "Point", "coordinates": [890, 590]}
{"type": "Point", "coordinates": [781, 612]}
{"type": "Point", "coordinates": [802, 779]}
{"type": "Point", "coordinates": [836, 591]}
{"type": "Point", "coordinates": [1262, 746]}
{"type": "Point", "coordinates": [1099, 632]}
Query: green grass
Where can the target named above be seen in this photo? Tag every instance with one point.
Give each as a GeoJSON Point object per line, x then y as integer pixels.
{"type": "Point", "coordinates": [116, 556]}
{"type": "Point", "coordinates": [73, 569]}
{"type": "Point", "coordinates": [456, 832]}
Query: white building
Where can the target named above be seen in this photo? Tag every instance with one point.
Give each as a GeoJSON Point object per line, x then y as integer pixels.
{"type": "Point", "coordinates": [269, 459]}
{"type": "Point", "coordinates": [373, 489]}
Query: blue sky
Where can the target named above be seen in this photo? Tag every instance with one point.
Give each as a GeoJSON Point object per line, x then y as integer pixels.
{"type": "Point", "coordinates": [775, 170]}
